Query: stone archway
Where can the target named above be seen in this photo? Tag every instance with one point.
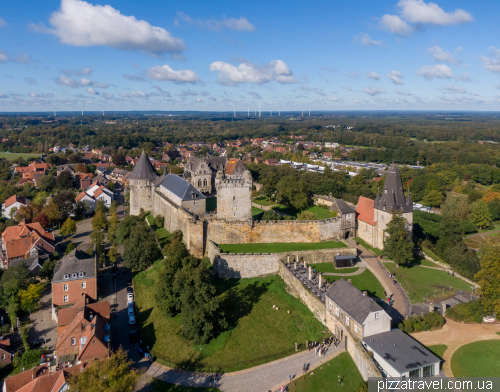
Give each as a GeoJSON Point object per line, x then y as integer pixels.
{"type": "Point", "coordinates": [347, 234]}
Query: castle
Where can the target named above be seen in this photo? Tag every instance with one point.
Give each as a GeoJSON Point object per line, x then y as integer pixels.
{"type": "Point", "coordinates": [183, 207]}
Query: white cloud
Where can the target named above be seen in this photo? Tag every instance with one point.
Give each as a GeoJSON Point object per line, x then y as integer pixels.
{"type": "Point", "coordinates": [29, 80]}
{"type": "Point", "coordinates": [90, 90]}
{"type": "Point", "coordinates": [78, 72]}
{"type": "Point", "coordinates": [439, 71]}
{"type": "Point", "coordinates": [188, 93]}
{"type": "Point", "coordinates": [465, 77]}
{"type": "Point", "coordinates": [373, 91]}
{"type": "Point", "coordinates": [100, 85]}
{"type": "Point", "coordinates": [442, 56]}
{"type": "Point", "coordinates": [313, 89]}
{"type": "Point", "coordinates": [166, 73]}
{"type": "Point", "coordinates": [395, 24]}
{"type": "Point", "coordinates": [248, 72]}
{"type": "Point", "coordinates": [254, 95]}
{"type": "Point", "coordinates": [364, 39]}
{"type": "Point", "coordinates": [3, 56]}
{"type": "Point", "coordinates": [491, 64]}
{"type": "Point", "coordinates": [162, 92]}
{"type": "Point", "coordinates": [23, 58]}
{"type": "Point", "coordinates": [404, 93]}
{"type": "Point", "coordinates": [373, 75]}
{"type": "Point", "coordinates": [240, 24]}
{"type": "Point", "coordinates": [66, 81]}
{"type": "Point", "coordinates": [2, 22]}
{"type": "Point", "coordinates": [107, 96]}
{"type": "Point", "coordinates": [348, 88]}
{"type": "Point", "coordinates": [40, 95]}
{"type": "Point", "coordinates": [79, 23]}
{"type": "Point", "coordinates": [139, 94]}
{"type": "Point", "coordinates": [453, 89]}
{"type": "Point", "coordinates": [2, 95]}
{"type": "Point", "coordinates": [136, 78]}
{"type": "Point", "coordinates": [396, 77]}
{"type": "Point", "coordinates": [417, 11]}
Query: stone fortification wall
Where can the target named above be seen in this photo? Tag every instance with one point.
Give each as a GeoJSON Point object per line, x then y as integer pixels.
{"type": "Point", "coordinates": [364, 363]}
{"type": "Point", "coordinates": [298, 290]}
{"type": "Point", "coordinates": [249, 265]}
{"type": "Point", "coordinates": [177, 218]}
{"type": "Point", "coordinates": [322, 200]}
{"type": "Point", "coordinates": [223, 232]}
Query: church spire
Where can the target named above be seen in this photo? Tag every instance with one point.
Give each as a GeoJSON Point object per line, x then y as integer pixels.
{"type": "Point", "coordinates": [143, 169]}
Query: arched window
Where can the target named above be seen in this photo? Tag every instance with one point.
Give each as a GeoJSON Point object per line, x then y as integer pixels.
{"type": "Point", "coordinates": [199, 183]}
{"type": "Point", "coordinates": [205, 182]}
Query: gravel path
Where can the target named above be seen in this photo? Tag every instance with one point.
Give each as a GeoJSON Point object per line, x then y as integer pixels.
{"type": "Point", "coordinates": [455, 335]}
{"type": "Point", "coordinates": [261, 378]}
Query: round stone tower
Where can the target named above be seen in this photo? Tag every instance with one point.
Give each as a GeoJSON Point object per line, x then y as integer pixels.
{"type": "Point", "coordinates": [141, 185]}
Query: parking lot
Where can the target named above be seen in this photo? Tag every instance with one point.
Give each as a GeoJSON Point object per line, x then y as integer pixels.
{"type": "Point", "coordinates": [42, 326]}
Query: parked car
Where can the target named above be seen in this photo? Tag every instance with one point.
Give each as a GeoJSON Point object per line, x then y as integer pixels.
{"type": "Point", "coordinates": [131, 320]}
{"type": "Point", "coordinates": [130, 296]}
{"type": "Point", "coordinates": [37, 342]}
{"type": "Point", "coordinates": [133, 336]}
{"type": "Point", "coordinates": [130, 311]}
{"type": "Point", "coordinates": [129, 282]}
{"type": "Point", "coordinates": [130, 290]}
{"type": "Point", "coordinates": [130, 301]}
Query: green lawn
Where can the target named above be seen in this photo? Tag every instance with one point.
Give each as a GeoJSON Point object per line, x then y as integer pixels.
{"type": "Point", "coordinates": [161, 233]}
{"type": "Point", "coordinates": [280, 247]}
{"type": "Point", "coordinates": [438, 349]}
{"type": "Point", "coordinates": [322, 213]}
{"type": "Point", "coordinates": [162, 386]}
{"type": "Point", "coordinates": [330, 267]}
{"type": "Point", "coordinates": [211, 204]}
{"type": "Point", "coordinates": [365, 281]}
{"type": "Point", "coordinates": [378, 252]}
{"type": "Point", "coordinates": [325, 378]}
{"type": "Point", "coordinates": [419, 282]}
{"type": "Point", "coordinates": [264, 201]}
{"type": "Point", "coordinates": [495, 226]}
{"type": "Point", "coordinates": [478, 359]}
{"type": "Point", "coordinates": [257, 333]}
{"type": "Point", "coordinates": [13, 156]}
{"type": "Point", "coordinates": [431, 254]}
{"type": "Point", "coordinates": [257, 213]}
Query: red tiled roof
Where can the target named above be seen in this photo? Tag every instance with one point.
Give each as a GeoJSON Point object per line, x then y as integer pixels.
{"type": "Point", "coordinates": [15, 383]}
{"type": "Point", "coordinates": [231, 165]}
{"type": "Point", "coordinates": [11, 200]}
{"type": "Point", "coordinates": [365, 210]}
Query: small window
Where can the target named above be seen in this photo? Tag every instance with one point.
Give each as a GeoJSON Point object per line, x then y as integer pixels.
{"type": "Point", "coordinates": [81, 274]}
{"type": "Point", "coordinates": [330, 306]}
{"type": "Point", "coordinates": [73, 341]}
{"type": "Point", "coordinates": [147, 182]}
{"type": "Point", "coordinates": [196, 202]}
{"type": "Point", "coordinates": [356, 328]}
{"type": "Point", "coordinates": [83, 285]}
{"type": "Point", "coordinates": [383, 209]}
{"type": "Point", "coordinates": [138, 183]}
{"type": "Point", "coordinates": [75, 275]}
{"type": "Point", "coordinates": [337, 312]}
{"type": "Point", "coordinates": [376, 316]}
{"type": "Point", "coordinates": [65, 287]}
{"type": "Point", "coordinates": [65, 298]}
{"type": "Point", "coordinates": [66, 276]}
{"type": "Point", "coordinates": [347, 321]}
{"type": "Point", "coordinates": [3, 357]}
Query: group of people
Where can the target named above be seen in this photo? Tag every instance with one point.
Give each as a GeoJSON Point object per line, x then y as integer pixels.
{"type": "Point", "coordinates": [393, 277]}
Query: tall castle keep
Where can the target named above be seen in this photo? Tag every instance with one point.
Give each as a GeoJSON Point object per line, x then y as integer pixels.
{"type": "Point", "coordinates": [234, 195]}
{"type": "Point", "coordinates": [374, 215]}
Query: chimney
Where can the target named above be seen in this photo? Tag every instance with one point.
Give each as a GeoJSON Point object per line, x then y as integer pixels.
{"type": "Point", "coordinates": [349, 280]}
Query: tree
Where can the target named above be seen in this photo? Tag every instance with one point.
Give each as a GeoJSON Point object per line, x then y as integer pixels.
{"type": "Point", "coordinates": [293, 192]}
{"type": "Point", "coordinates": [97, 238]}
{"type": "Point", "coordinates": [64, 181]}
{"type": "Point", "coordinates": [119, 160]}
{"type": "Point", "coordinates": [74, 158]}
{"type": "Point", "coordinates": [29, 299]}
{"type": "Point", "coordinates": [434, 198]}
{"type": "Point", "coordinates": [158, 221]}
{"type": "Point", "coordinates": [12, 212]}
{"type": "Point", "coordinates": [40, 199]}
{"type": "Point", "coordinates": [481, 216]}
{"type": "Point", "coordinates": [80, 209]}
{"type": "Point", "coordinates": [307, 215]}
{"type": "Point", "coordinates": [494, 207]}
{"type": "Point", "coordinates": [489, 275]}
{"type": "Point", "coordinates": [114, 207]}
{"type": "Point", "coordinates": [13, 309]}
{"type": "Point", "coordinates": [66, 202]}
{"type": "Point", "coordinates": [52, 212]}
{"type": "Point", "coordinates": [111, 185]}
{"type": "Point", "coordinates": [26, 212]}
{"type": "Point", "coordinates": [99, 221]}
{"type": "Point", "coordinates": [125, 227]}
{"type": "Point", "coordinates": [47, 271]}
{"type": "Point", "coordinates": [141, 249]}
{"type": "Point", "coordinates": [68, 228]}
{"type": "Point", "coordinates": [81, 168]}
{"type": "Point", "coordinates": [71, 246]}
{"type": "Point", "coordinates": [13, 279]}
{"type": "Point", "coordinates": [100, 205]}
{"type": "Point", "coordinates": [112, 227]}
{"type": "Point", "coordinates": [114, 374]}
{"type": "Point", "coordinates": [42, 219]}
{"type": "Point", "coordinates": [271, 215]}
{"type": "Point", "coordinates": [397, 244]}
{"type": "Point", "coordinates": [113, 254]}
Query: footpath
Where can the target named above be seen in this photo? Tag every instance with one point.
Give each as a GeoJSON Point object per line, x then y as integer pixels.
{"type": "Point", "coordinates": [262, 378]}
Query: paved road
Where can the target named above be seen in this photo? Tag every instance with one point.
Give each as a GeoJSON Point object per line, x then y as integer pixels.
{"type": "Point", "coordinates": [261, 378]}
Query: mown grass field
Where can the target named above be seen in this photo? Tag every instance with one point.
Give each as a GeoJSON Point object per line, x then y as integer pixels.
{"type": "Point", "coordinates": [326, 377]}
{"type": "Point", "coordinates": [264, 201]}
{"type": "Point", "coordinates": [321, 213]}
{"type": "Point", "coordinates": [478, 359]}
{"type": "Point", "coordinates": [365, 281]}
{"type": "Point", "coordinates": [257, 333]}
{"type": "Point", "coordinates": [13, 156]}
{"type": "Point", "coordinates": [280, 247]}
{"type": "Point", "coordinates": [438, 349]}
{"type": "Point", "coordinates": [257, 213]}
{"type": "Point", "coordinates": [377, 251]}
{"type": "Point", "coordinates": [419, 282]}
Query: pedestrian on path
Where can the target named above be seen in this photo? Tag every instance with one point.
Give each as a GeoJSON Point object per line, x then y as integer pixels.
{"type": "Point", "coordinates": [282, 388]}
{"type": "Point", "coordinates": [290, 378]}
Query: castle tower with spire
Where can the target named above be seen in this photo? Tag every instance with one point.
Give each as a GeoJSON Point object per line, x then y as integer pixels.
{"type": "Point", "coordinates": [374, 215]}
{"type": "Point", "coordinates": [141, 184]}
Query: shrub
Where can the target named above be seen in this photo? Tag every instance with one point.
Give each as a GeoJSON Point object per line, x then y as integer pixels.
{"type": "Point", "coordinates": [70, 247]}
{"type": "Point", "coordinates": [31, 356]}
{"type": "Point", "coordinates": [158, 221]}
{"type": "Point", "coordinates": [307, 215]}
{"type": "Point", "coordinates": [468, 227]}
{"type": "Point", "coordinates": [430, 321]}
{"type": "Point", "coordinates": [271, 215]}
{"type": "Point", "coordinates": [472, 311]}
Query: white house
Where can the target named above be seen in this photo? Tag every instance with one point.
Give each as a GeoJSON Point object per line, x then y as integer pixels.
{"type": "Point", "coordinates": [87, 199]}
{"type": "Point", "coordinates": [13, 202]}
{"type": "Point", "coordinates": [105, 195]}
{"type": "Point", "coordinates": [399, 355]}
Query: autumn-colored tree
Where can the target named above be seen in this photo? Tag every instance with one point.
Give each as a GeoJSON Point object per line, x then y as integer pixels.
{"type": "Point", "coordinates": [52, 211]}
{"type": "Point", "coordinates": [491, 195]}
{"type": "Point", "coordinates": [68, 228]}
{"type": "Point", "coordinates": [112, 227]}
{"type": "Point", "coordinates": [481, 216]}
{"type": "Point", "coordinates": [81, 168]}
{"type": "Point", "coordinates": [114, 374]}
{"type": "Point", "coordinates": [25, 212]}
{"type": "Point", "coordinates": [42, 219]}
{"type": "Point", "coordinates": [489, 275]}
{"type": "Point", "coordinates": [99, 221]}
{"type": "Point", "coordinates": [29, 299]}
{"type": "Point", "coordinates": [113, 254]}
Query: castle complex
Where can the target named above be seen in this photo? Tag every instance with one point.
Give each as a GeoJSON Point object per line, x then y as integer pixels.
{"type": "Point", "coordinates": [183, 206]}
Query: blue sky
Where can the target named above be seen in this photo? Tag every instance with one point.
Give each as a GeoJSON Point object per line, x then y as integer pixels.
{"type": "Point", "coordinates": [215, 55]}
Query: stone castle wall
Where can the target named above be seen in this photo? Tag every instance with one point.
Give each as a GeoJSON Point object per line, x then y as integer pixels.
{"type": "Point", "coordinates": [234, 199]}
{"type": "Point", "coordinates": [140, 196]}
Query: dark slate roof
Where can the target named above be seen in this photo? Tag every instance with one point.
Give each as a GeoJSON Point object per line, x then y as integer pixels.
{"type": "Point", "coordinates": [352, 301]}
{"type": "Point", "coordinates": [344, 208]}
{"type": "Point", "coordinates": [143, 169]}
{"type": "Point", "coordinates": [400, 350]}
{"type": "Point", "coordinates": [34, 263]}
{"type": "Point", "coordinates": [75, 262]}
{"type": "Point", "coordinates": [393, 197]}
{"type": "Point", "coordinates": [180, 187]}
